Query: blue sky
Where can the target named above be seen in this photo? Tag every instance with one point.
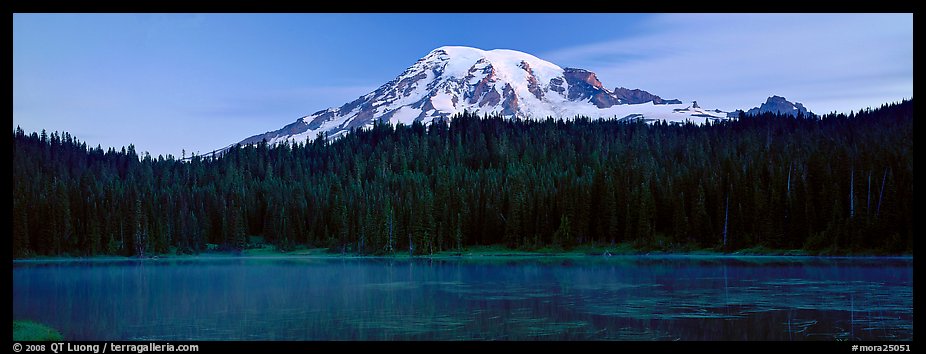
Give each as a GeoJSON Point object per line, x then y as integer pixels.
{"type": "Point", "coordinates": [197, 82]}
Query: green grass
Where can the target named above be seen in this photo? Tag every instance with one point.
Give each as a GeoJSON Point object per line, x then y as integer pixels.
{"type": "Point", "coordinates": [31, 331]}
{"type": "Point", "coordinates": [764, 251]}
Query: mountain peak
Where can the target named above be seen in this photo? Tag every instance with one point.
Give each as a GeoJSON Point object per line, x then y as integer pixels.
{"type": "Point", "coordinates": [492, 54]}
{"type": "Point", "coordinates": [635, 96]}
{"type": "Point", "coordinates": [779, 105]}
{"type": "Point", "coordinates": [456, 61]}
{"type": "Point", "coordinates": [453, 79]}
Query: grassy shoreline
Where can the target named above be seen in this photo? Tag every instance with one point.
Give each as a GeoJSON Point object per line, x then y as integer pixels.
{"type": "Point", "coordinates": [487, 252]}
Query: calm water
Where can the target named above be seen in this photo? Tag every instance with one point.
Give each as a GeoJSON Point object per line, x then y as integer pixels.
{"type": "Point", "coordinates": [594, 298]}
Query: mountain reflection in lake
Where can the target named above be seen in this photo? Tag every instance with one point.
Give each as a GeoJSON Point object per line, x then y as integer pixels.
{"type": "Point", "coordinates": [495, 298]}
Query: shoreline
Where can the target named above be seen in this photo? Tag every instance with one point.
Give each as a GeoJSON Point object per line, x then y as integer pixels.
{"type": "Point", "coordinates": [478, 252]}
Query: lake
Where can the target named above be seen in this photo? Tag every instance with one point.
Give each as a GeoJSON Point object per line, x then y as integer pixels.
{"type": "Point", "coordinates": [488, 298]}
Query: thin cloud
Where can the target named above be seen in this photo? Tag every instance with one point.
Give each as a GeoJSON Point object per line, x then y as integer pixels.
{"type": "Point", "coordinates": [736, 60]}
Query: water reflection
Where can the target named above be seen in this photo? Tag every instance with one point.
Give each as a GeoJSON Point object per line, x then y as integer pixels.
{"type": "Point", "coordinates": [595, 298]}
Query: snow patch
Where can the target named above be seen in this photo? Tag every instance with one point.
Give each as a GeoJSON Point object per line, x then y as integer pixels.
{"type": "Point", "coordinates": [443, 102]}
{"type": "Point", "coordinates": [405, 115]}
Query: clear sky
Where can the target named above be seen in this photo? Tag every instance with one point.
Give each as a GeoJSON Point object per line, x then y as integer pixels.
{"type": "Point", "coordinates": [198, 82]}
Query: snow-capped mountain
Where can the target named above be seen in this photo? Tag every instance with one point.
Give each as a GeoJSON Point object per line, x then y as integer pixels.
{"type": "Point", "coordinates": [453, 79]}
{"type": "Point", "coordinates": [778, 104]}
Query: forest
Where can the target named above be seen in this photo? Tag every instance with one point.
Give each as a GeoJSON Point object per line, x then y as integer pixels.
{"type": "Point", "coordinates": [831, 184]}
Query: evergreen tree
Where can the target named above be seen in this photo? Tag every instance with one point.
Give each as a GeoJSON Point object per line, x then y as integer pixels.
{"type": "Point", "coordinates": [837, 183]}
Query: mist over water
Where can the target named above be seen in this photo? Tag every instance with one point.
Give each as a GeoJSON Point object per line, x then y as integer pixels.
{"type": "Point", "coordinates": [492, 298]}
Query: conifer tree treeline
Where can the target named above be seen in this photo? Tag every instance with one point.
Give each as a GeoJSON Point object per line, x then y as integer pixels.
{"type": "Point", "coordinates": [840, 183]}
